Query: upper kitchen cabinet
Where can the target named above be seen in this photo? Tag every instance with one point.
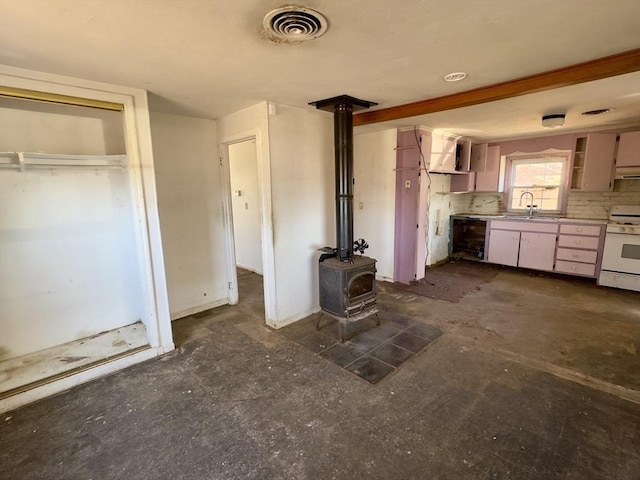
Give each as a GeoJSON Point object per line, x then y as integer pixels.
{"type": "Point", "coordinates": [463, 153]}
{"type": "Point", "coordinates": [483, 173]}
{"type": "Point", "coordinates": [485, 161]}
{"type": "Point", "coordinates": [629, 150]}
{"type": "Point", "coordinates": [593, 162]}
{"type": "Point", "coordinates": [442, 156]}
{"type": "Point", "coordinates": [463, 183]}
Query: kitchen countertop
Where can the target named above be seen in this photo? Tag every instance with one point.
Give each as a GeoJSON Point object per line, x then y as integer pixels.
{"type": "Point", "coordinates": [533, 219]}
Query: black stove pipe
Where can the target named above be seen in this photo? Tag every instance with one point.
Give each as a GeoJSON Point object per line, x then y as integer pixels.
{"type": "Point", "coordinates": [343, 108]}
{"type": "Point", "coordinates": [343, 143]}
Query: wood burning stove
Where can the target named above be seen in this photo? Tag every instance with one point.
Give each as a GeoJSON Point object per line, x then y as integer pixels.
{"type": "Point", "coordinates": [348, 290]}
{"type": "Point", "coordinates": [347, 281]}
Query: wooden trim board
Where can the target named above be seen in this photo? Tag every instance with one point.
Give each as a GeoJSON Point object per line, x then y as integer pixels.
{"type": "Point", "coordinates": [611, 66]}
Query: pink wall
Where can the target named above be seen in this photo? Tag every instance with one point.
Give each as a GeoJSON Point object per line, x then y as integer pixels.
{"type": "Point", "coordinates": [559, 142]}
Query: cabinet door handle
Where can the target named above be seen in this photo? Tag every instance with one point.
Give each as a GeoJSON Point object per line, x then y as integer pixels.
{"type": "Point", "coordinates": [579, 229]}
{"type": "Point", "coordinates": [577, 242]}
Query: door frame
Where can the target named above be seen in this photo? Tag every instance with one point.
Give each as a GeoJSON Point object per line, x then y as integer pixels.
{"type": "Point", "coordinates": [266, 227]}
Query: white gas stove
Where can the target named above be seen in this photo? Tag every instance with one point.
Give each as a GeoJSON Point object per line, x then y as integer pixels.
{"type": "Point", "coordinates": [621, 256]}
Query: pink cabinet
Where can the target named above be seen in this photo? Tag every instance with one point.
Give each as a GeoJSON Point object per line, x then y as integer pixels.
{"type": "Point", "coordinates": [593, 163]}
{"type": "Point", "coordinates": [629, 150]}
{"type": "Point", "coordinates": [503, 247]}
{"type": "Point", "coordinates": [483, 164]}
{"type": "Point", "coordinates": [526, 244]}
{"type": "Point", "coordinates": [487, 180]}
{"type": "Point", "coordinates": [442, 156]}
{"type": "Point", "coordinates": [580, 249]}
{"type": "Point", "coordinates": [537, 250]}
{"type": "Point", "coordinates": [464, 182]}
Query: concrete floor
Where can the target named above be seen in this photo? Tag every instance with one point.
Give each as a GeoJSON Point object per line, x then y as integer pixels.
{"type": "Point", "coordinates": [534, 377]}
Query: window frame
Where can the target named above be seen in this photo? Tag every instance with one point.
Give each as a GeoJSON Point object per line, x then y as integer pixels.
{"type": "Point", "coordinates": [520, 157]}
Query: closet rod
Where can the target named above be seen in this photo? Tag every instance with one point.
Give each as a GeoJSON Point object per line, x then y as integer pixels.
{"type": "Point", "coordinates": [48, 97]}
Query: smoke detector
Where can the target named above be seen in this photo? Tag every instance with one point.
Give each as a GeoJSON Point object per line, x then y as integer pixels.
{"type": "Point", "coordinates": [294, 24]}
{"type": "Point", "coordinates": [553, 121]}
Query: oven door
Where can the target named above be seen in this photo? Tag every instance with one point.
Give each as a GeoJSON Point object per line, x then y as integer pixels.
{"type": "Point", "coordinates": [621, 253]}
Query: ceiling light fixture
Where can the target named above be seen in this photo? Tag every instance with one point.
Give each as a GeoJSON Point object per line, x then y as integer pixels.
{"type": "Point", "coordinates": [293, 24]}
{"type": "Point", "coordinates": [553, 121]}
{"type": "Point", "coordinates": [455, 77]}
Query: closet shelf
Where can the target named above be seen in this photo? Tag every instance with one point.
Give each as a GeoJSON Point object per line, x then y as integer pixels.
{"type": "Point", "coordinates": [23, 159]}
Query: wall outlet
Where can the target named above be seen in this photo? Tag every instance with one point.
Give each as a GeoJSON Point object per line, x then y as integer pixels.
{"type": "Point", "coordinates": [361, 205]}
{"type": "Point", "coordinates": [237, 193]}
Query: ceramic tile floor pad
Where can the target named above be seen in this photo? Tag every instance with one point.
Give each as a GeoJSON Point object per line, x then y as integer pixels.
{"type": "Point", "coordinates": [371, 352]}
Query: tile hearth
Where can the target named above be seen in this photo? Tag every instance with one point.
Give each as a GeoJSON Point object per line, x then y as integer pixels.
{"type": "Point", "coordinates": [371, 352]}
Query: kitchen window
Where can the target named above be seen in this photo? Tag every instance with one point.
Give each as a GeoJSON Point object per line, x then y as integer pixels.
{"type": "Point", "coordinates": [544, 175]}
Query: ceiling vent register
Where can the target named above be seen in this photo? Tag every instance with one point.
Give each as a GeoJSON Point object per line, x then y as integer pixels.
{"type": "Point", "coordinates": [294, 24]}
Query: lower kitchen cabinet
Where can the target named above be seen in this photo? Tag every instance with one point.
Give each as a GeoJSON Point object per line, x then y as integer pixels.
{"type": "Point", "coordinates": [467, 238]}
{"type": "Point", "coordinates": [522, 244]}
{"type": "Point", "coordinates": [503, 247]}
{"type": "Point", "coordinates": [572, 248]}
{"type": "Point", "coordinates": [580, 249]}
{"type": "Point", "coordinates": [537, 250]}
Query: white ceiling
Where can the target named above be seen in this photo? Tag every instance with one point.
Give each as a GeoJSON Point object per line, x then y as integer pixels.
{"type": "Point", "coordinates": [209, 58]}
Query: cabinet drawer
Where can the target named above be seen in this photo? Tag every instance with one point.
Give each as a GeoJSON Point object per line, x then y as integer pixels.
{"type": "Point", "coordinates": [575, 241]}
{"type": "Point", "coordinates": [524, 226]}
{"type": "Point", "coordinates": [585, 256]}
{"type": "Point", "coordinates": [580, 230]}
{"type": "Point", "coordinates": [575, 268]}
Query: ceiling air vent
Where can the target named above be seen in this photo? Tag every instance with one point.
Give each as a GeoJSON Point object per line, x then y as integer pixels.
{"type": "Point", "coordinates": [596, 112]}
{"type": "Point", "coordinates": [294, 24]}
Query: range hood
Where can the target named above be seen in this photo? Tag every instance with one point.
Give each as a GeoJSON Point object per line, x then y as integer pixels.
{"type": "Point", "coordinates": [627, 173]}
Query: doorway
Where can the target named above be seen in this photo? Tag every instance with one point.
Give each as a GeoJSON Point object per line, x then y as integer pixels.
{"type": "Point", "coordinates": [247, 214]}
{"type": "Point", "coordinates": [246, 207]}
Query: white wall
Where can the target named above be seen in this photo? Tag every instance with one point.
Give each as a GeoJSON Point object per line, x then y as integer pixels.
{"type": "Point", "coordinates": [190, 206]}
{"type": "Point", "coordinates": [29, 126]}
{"type": "Point", "coordinates": [245, 199]}
{"type": "Point", "coordinates": [68, 255]}
{"type": "Point", "coordinates": [374, 160]}
{"type": "Point", "coordinates": [302, 159]}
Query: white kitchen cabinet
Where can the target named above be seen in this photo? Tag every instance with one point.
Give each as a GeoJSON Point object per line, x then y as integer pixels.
{"type": "Point", "coordinates": [629, 150]}
{"type": "Point", "coordinates": [525, 244]}
{"type": "Point", "coordinates": [593, 162]}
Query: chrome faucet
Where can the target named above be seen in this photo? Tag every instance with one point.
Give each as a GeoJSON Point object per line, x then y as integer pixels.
{"type": "Point", "coordinates": [531, 205]}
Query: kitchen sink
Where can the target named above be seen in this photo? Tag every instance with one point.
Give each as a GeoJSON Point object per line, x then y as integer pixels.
{"type": "Point", "coordinates": [529, 219]}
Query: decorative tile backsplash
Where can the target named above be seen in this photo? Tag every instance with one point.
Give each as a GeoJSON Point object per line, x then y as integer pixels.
{"type": "Point", "coordinates": [597, 205]}
{"type": "Point", "coordinates": [594, 205]}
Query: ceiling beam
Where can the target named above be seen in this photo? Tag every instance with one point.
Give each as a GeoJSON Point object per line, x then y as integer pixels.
{"type": "Point", "coordinates": [611, 66]}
